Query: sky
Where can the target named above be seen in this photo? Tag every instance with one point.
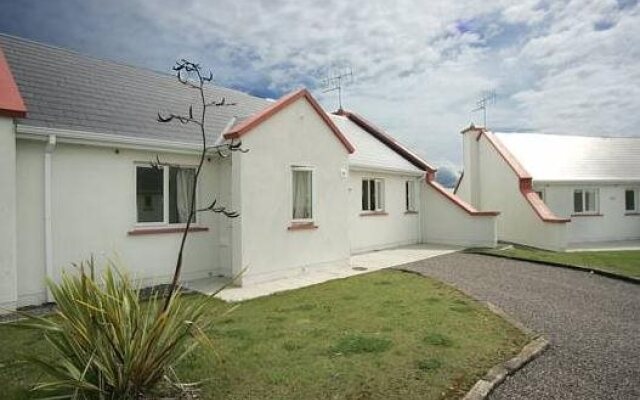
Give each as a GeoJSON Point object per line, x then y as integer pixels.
{"type": "Point", "coordinates": [419, 67]}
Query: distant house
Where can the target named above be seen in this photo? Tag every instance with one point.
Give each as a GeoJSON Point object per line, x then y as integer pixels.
{"type": "Point", "coordinates": [77, 138]}
{"type": "Point", "coordinates": [554, 191]}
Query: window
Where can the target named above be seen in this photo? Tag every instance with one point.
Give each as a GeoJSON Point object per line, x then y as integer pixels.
{"type": "Point", "coordinates": [410, 195]}
{"type": "Point", "coordinates": [631, 200]}
{"type": "Point", "coordinates": [372, 195]}
{"type": "Point", "coordinates": [163, 194]}
{"type": "Point", "coordinates": [540, 194]}
{"type": "Point", "coordinates": [585, 201]}
{"type": "Point", "coordinates": [302, 194]}
{"type": "Point", "coordinates": [150, 194]}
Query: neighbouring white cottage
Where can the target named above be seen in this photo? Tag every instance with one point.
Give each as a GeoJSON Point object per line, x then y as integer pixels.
{"type": "Point", "coordinates": [554, 191]}
{"type": "Point", "coordinates": [77, 139]}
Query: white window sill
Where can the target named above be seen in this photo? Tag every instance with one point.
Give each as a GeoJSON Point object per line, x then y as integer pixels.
{"type": "Point", "coordinates": [296, 226]}
{"type": "Point", "coordinates": [373, 213]}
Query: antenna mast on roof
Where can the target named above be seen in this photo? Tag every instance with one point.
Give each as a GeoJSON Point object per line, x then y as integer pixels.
{"type": "Point", "coordinates": [488, 98]}
{"type": "Point", "coordinates": [336, 81]}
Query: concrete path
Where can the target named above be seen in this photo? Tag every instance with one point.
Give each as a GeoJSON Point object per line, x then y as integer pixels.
{"type": "Point", "coordinates": [593, 323]}
{"type": "Point", "coordinates": [359, 264]}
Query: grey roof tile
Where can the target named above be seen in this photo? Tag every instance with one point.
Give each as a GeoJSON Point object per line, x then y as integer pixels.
{"type": "Point", "coordinates": [66, 90]}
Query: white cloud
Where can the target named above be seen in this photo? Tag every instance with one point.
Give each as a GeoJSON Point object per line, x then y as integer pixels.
{"type": "Point", "coordinates": [588, 78]}
{"type": "Point", "coordinates": [524, 12]}
{"type": "Point", "coordinates": [561, 66]}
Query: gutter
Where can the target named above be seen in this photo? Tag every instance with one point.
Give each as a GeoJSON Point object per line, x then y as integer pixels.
{"type": "Point", "coordinates": [104, 139]}
{"type": "Point", "coordinates": [48, 227]}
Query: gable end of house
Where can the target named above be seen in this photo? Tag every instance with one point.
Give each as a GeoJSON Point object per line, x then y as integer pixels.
{"type": "Point", "coordinates": [248, 124]}
{"type": "Point", "coordinates": [525, 180]}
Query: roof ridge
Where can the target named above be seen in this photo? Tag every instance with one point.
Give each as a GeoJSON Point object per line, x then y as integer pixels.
{"type": "Point", "coordinates": [570, 135]}
{"type": "Point", "coordinates": [112, 62]}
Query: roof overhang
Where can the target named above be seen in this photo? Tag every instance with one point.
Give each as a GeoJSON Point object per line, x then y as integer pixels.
{"type": "Point", "coordinates": [581, 181]}
{"type": "Point", "coordinates": [11, 103]}
{"type": "Point", "coordinates": [69, 136]}
{"type": "Point", "coordinates": [250, 123]}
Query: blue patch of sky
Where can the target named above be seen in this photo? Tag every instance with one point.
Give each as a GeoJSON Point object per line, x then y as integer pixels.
{"type": "Point", "coordinates": [260, 91]}
{"type": "Point", "coordinates": [492, 32]}
{"type": "Point", "coordinates": [625, 4]}
{"type": "Point", "coordinates": [119, 31]}
{"type": "Point", "coordinates": [603, 25]}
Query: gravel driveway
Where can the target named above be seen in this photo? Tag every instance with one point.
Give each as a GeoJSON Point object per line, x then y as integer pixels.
{"type": "Point", "coordinates": [592, 322]}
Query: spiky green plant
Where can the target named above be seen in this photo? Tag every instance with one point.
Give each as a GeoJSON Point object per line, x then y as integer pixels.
{"type": "Point", "coordinates": [107, 342]}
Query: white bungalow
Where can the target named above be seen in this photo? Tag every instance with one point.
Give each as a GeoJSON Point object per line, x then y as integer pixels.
{"type": "Point", "coordinates": [555, 192]}
{"type": "Point", "coordinates": [77, 138]}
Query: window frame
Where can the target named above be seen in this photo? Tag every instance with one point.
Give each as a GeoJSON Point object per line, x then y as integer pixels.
{"type": "Point", "coordinates": [584, 211]}
{"type": "Point", "coordinates": [542, 195]}
{"type": "Point", "coordinates": [379, 188]}
{"type": "Point", "coordinates": [636, 202]}
{"type": "Point", "coordinates": [310, 169]}
{"type": "Point", "coordinates": [410, 196]}
{"type": "Point", "coordinates": [165, 196]}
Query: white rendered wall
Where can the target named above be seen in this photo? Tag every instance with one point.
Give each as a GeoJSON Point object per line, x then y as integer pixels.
{"type": "Point", "coordinates": [518, 221]}
{"type": "Point", "coordinates": [491, 185]}
{"type": "Point", "coordinates": [445, 222]}
{"type": "Point", "coordinates": [463, 190]}
{"type": "Point", "coordinates": [93, 209]}
{"type": "Point", "coordinates": [469, 188]}
{"type": "Point", "coordinates": [396, 228]}
{"type": "Point", "coordinates": [296, 135]}
{"type": "Point", "coordinates": [611, 224]}
{"type": "Point", "coordinates": [30, 215]}
{"type": "Point", "coordinates": [8, 256]}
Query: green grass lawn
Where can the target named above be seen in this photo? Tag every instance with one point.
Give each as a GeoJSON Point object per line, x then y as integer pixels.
{"type": "Point", "coordinates": [621, 262]}
{"type": "Point", "coordinates": [383, 335]}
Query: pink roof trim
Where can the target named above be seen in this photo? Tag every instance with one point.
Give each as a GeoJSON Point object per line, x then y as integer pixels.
{"type": "Point", "coordinates": [11, 103]}
{"type": "Point", "coordinates": [525, 179]}
{"type": "Point", "coordinates": [258, 118]}
{"type": "Point", "coordinates": [430, 178]}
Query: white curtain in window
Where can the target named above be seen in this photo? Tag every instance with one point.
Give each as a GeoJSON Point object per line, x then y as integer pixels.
{"type": "Point", "coordinates": [590, 200]}
{"type": "Point", "coordinates": [184, 188]}
{"type": "Point", "coordinates": [379, 195]}
{"type": "Point", "coordinates": [302, 194]}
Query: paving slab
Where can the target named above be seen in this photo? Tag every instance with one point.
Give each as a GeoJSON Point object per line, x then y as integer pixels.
{"type": "Point", "coordinates": [359, 264]}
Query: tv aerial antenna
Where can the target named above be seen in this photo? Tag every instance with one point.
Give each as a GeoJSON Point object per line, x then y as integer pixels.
{"type": "Point", "coordinates": [335, 82]}
{"type": "Point", "coordinates": [488, 98]}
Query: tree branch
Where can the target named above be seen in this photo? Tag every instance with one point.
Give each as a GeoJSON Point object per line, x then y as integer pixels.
{"type": "Point", "coordinates": [190, 75]}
